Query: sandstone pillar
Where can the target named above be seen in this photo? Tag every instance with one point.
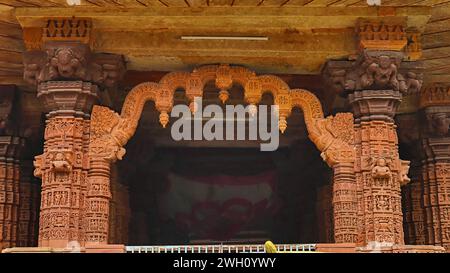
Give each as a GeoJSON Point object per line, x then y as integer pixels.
{"type": "Point", "coordinates": [435, 140]}
{"type": "Point", "coordinates": [374, 84]}
{"type": "Point", "coordinates": [408, 123]}
{"type": "Point", "coordinates": [13, 187]}
{"type": "Point", "coordinates": [64, 164]}
{"type": "Point", "coordinates": [379, 170]}
{"type": "Point", "coordinates": [68, 78]}
{"type": "Point", "coordinates": [345, 203]}
{"type": "Point", "coordinates": [9, 189]}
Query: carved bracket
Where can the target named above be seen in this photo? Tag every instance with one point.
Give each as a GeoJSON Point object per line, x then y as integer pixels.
{"type": "Point", "coordinates": [374, 70]}
{"type": "Point", "coordinates": [72, 61]}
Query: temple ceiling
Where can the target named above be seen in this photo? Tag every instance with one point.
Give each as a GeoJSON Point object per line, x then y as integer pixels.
{"type": "Point", "coordinates": [301, 35]}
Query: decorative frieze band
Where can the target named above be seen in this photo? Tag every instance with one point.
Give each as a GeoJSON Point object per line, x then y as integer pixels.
{"type": "Point", "coordinates": [435, 95]}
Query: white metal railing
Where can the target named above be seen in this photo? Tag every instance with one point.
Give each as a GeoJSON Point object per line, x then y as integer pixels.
{"type": "Point", "coordinates": [218, 248]}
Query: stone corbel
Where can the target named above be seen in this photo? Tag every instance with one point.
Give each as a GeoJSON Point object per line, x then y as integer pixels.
{"type": "Point", "coordinates": [373, 70]}
{"type": "Point", "coordinates": [110, 71]}
{"type": "Point", "coordinates": [72, 61]}
{"type": "Point", "coordinates": [376, 70]}
{"type": "Point", "coordinates": [334, 76]}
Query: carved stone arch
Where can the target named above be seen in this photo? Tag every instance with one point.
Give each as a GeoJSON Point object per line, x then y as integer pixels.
{"type": "Point", "coordinates": [111, 131]}
{"type": "Point", "coordinates": [241, 75]}
{"type": "Point", "coordinates": [174, 80]}
{"type": "Point", "coordinates": [273, 84]}
{"type": "Point", "coordinates": [310, 105]}
{"type": "Point", "coordinates": [136, 99]}
{"type": "Point", "coordinates": [319, 128]}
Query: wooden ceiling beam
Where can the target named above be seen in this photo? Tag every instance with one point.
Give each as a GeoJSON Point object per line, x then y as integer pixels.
{"type": "Point", "coordinates": [241, 17]}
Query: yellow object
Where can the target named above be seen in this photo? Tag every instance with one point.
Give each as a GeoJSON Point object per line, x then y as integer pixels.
{"type": "Point", "coordinates": [272, 248]}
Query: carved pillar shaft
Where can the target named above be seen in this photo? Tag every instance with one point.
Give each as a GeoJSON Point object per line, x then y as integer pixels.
{"type": "Point", "coordinates": [436, 191]}
{"type": "Point", "coordinates": [345, 203]}
{"type": "Point", "coordinates": [435, 139]}
{"type": "Point", "coordinates": [103, 150]}
{"type": "Point", "coordinates": [64, 164]}
{"type": "Point", "coordinates": [379, 168]}
{"type": "Point", "coordinates": [9, 189]}
{"type": "Point", "coordinates": [98, 197]}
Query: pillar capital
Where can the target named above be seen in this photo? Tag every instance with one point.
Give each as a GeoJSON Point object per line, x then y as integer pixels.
{"type": "Point", "coordinates": [70, 98]}
{"type": "Point", "coordinates": [371, 105]}
{"type": "Point", "coordinates": [379, 81]}
{"type": "Point", "coordinates": [69, 61]}
{"type": "Point", "coordinates": [61, 50]}
{"type": "Point", "coordinates": [374, 70]}
{"type": "Point", "coordinates": [435, 111]}
{"type": "Point", "coordinates": [435, 123]}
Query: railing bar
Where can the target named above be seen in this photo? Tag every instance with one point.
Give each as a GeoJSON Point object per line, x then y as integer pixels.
{"type": "Point", "coordinates": [248, 248]}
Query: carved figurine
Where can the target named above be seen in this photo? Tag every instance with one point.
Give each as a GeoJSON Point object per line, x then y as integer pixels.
{"type": "Point", "coordinates": [381, 73]}
{"type": "Point", "coordinates": [380, 169]}
{"type": "Point", "coordinates": [61, 164]}
{"type": "Point", "coordinates": [377, 72]}
{"type": "Point", "coordinates": [66, 63]}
